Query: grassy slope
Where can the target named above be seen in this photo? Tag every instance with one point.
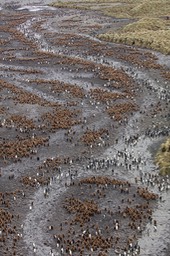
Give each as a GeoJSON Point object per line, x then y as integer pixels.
{"type": "Point", "coordinates": [152, 33]}
{"type": "Point", "coordinates": [151, 30]}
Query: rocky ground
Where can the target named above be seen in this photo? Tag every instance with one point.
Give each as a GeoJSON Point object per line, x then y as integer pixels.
{"type": "Point", "coordinates": [80, 122]}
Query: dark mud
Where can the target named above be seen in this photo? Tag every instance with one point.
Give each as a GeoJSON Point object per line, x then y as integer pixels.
{"type": "Point", "coordinates": [80, 120]}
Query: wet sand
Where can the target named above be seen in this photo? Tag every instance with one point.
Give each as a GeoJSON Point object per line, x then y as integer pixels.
{"type": "Point", "coordinates": [80, 121]}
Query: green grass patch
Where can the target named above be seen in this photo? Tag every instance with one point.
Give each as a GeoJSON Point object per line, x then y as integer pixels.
{"type": "Point", "coordinates": [163, 158]}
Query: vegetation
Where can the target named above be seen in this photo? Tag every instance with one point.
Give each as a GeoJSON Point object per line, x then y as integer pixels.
{"type": "Point", "coordinates": [163, 158]}
{"type": "Point", "coordinates": [142, 33]}
{"type": "Point", "coordinates": [151, 21]}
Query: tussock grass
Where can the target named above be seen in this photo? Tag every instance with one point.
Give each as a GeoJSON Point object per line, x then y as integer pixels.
{"type": "Point", "coordinates": [156, 40]}
{"type": "Point", "coordinates": [145, 24]}
{"type": "Point", "coordinates": [163, 158]}
{"type": "Point", "coordinates": [151, 8]}
{"type": "Point", "coordinates": [151, 33]}
{"type": "Point", "coordinates": [151, 28]}
{"type": "Point", "coordinates": [122, 8]}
